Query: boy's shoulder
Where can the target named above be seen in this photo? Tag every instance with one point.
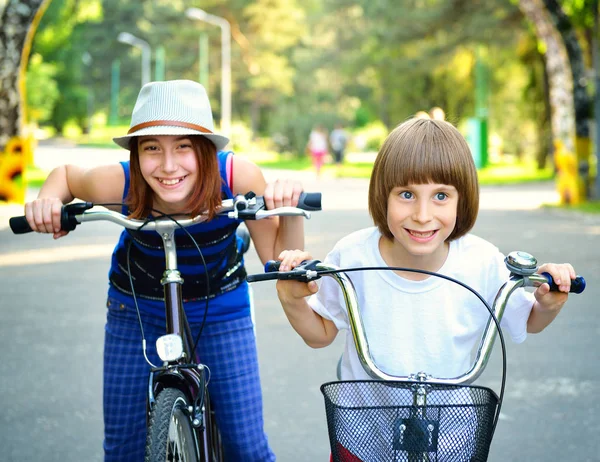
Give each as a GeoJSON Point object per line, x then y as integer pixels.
{"type": "Point", "coordinates": [471, 244]}
{"type": "Point", "coordinates": [357, 238]}
{"type": "Point", "coordinates": [355, 247]}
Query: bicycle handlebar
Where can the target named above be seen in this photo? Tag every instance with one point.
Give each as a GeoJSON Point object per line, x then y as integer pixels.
{"type": "Point", "coordinates": [521, 276]}
{"type": "Point", "coordinates": [243, 207]}
{"type": "Point", "coordinates": [308, 271]}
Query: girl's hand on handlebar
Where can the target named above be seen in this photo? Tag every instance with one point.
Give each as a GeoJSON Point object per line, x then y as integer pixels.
{"type": "Point", "coordinates": [43, 216]}
{"type": "Point", "coordinates": [562, 274]}
{"type": "Point", "coordinates": [282, 193]}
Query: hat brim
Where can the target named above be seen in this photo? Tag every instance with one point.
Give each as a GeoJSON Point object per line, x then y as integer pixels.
{"type": "Point", "coordinates": [219, 141]}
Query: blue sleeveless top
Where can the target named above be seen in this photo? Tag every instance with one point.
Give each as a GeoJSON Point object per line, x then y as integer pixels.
{"type": "Point", "coordinates": [227, 296]}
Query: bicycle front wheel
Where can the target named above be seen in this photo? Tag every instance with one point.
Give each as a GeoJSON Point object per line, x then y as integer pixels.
{"type": "Point", "coordinates": [170, 432]}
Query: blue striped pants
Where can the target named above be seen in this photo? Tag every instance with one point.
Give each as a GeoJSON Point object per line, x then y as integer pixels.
{"type": "Point", "coordinates": [229, 350]}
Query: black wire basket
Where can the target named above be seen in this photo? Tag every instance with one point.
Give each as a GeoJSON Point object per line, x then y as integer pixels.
{"type": "Point", "coordinates": [374, 420]}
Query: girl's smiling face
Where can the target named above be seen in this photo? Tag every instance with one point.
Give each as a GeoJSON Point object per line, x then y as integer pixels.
{"type": "Point", "coordinates": [169, 164]}
{"type": "Point", "coordinates": [421, 217]}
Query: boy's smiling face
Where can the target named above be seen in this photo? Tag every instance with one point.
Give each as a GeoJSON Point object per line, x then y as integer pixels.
{"type": "Point", "coordinates": [421, 217]}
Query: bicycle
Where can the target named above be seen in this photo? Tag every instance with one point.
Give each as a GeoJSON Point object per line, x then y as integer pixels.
{"type": "Point", "coordinates": [419, 417]}
{"type": "Point", "coordinates": [181, 425]}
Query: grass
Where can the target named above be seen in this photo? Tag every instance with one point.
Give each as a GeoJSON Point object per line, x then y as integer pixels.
{"type": "Point", "coordinates": [497, 174]}
{"type": "Point", "coordinates": [591, 207]}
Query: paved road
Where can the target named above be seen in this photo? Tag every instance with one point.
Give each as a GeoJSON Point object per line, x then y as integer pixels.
{"type": "Point", "coordinates": [51, 334]}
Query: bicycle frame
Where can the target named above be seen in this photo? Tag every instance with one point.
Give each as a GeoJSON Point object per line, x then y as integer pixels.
{"type": "Point", "coordinates": [414, 430]}
{"type": "Point", "coordinates": [180, 368]}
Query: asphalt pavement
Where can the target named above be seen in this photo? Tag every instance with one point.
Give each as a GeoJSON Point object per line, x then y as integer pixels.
{"type": "Point", "coordinates": [53, 298]}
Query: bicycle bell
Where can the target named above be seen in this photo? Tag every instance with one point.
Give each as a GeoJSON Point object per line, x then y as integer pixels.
{"type": "Point", "coordinates": [521, 263]}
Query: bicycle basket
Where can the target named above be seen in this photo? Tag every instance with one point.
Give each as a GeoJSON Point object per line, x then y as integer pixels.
{"type": "Point", "coordinates": [373, 420]}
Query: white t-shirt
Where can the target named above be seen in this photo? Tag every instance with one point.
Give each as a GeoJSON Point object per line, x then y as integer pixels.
{"type": "Point", "coordinates": [431, 325]}
{"type": "Point", "coordinates": [317, 141]}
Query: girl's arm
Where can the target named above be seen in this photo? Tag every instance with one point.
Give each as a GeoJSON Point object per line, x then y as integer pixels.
{"type": "Point", "coordinates": [270, 236]}
{"type": "Point", "coordinates": [67, 182]}
{"type": "Point", "coordinates": [548, 304]}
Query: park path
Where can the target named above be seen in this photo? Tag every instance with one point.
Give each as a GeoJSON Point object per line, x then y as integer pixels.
{"type": "Point", "coordinates": [338, 193]}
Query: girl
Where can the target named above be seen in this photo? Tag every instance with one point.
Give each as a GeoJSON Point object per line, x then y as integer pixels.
{"type": "Point", "coordinates": [177, 166]}
{"type": "Point", "coordinates": [424, 199]}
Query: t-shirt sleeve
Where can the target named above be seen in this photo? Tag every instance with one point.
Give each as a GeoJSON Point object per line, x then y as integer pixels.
{"type": "Point", "coordinates": [519, 304]}
{"type": "Point", "coordinates": [328, 301]}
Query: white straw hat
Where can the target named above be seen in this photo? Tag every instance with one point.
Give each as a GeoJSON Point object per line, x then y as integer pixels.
{"type": "Point", "coordinates": [174, 107]}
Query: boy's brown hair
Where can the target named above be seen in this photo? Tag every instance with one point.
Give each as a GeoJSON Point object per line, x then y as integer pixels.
{"type": "Point", "coordinates": [421, 151]}
{"type": "Point", "coordinates": [206, 196]}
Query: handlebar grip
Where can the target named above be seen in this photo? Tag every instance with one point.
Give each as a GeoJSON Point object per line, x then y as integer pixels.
{"type": "Point", "coordinates": [577, 284]}
{"type": "Point", "coordinates": [272, 266]}
{"type": "Point", "coordinates": [68, 222]}
{"type": "Point", "coordinates": [262, 277]}
{"type": "Point", "coordinates": [309, 201]}
{"type": "Point", "coordinates": [19, 225]}
{"type": "Point", "coordinates": [271, 272]}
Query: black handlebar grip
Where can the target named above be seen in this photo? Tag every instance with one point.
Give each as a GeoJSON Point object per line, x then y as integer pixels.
{"type": "Point", "coordinates": [271, 272]}
{"type": "Point", "coordinates": [309, 201]}
{"type": "Point", "coordinates": [262, 277]}
{"type": "Point", "coordinates": [19, 225]}
{"type": "Point", "coordinates": [577, 284]}
{"type": "Point", "coordinates": [272, 265]}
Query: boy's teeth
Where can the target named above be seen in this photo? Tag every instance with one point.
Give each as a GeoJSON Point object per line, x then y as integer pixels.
{"type": "Point", "coordinates": [418, 234]}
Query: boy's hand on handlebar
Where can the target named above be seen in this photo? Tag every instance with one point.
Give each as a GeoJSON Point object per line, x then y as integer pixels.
{"type": "Point", "coordinates": [282, 193]}
{"type": "Point", "coordinates": [43, 216]}
{"type": "Point", "coordinates": [562, 275]}
{"type": "Point", "coordinates": [293, 291]}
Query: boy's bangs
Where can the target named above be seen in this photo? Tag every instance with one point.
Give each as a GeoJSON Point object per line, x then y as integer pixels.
{"type": "Point", "coordinates": [423, 163]}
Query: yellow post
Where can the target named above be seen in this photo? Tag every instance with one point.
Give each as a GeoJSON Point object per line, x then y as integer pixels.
{"type": "Point", "coordinates": [568, 181]}
{"type": "Point", "coordinates": [18, 152]}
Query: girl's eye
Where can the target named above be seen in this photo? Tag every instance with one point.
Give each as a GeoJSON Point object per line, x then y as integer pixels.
{"type": "Point", "coordinates": [406, 195]}
{"type": "Point", "coordinates": [150, 148]}
{"type": "Point", "coordinates": [185, 146]}
{"type": "Point", "coordinates": [441, 196]}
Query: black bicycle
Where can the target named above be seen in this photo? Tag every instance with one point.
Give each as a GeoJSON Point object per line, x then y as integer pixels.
{"type": "Point", "coordinates": [419, 417]}
{"type": "Point", "coordinates": [181, 424]}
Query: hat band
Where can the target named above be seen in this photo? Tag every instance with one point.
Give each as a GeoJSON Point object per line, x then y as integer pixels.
{"type": "Point", "coordinates": [172, 123]}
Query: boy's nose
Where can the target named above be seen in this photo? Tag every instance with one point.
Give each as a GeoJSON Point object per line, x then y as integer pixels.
{"type": "Point", "coordinates": [422, 212]}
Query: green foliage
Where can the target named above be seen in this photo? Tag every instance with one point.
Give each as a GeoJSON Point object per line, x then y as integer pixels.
{"type": "Point", "coordinates": [295, 64]}
{"type": "Point", "coordinates": [42, 90]}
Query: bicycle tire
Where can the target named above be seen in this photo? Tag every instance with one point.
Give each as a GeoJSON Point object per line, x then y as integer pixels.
{"type": "Point", "coordinates": [170, 434]}
{"type": "Point", "coordinates": [215, 436]}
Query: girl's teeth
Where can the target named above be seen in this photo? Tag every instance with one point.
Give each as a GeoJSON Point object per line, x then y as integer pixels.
{"type": "Point", "coordinates": [170, 182]}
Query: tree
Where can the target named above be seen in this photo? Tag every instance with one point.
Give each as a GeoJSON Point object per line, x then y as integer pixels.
{"type": "Point", "coordinates": [17, 25]}
{"type": "Point", "coordinates": [570, 103]}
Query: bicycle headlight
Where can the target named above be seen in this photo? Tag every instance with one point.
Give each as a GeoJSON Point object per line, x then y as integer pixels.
{"type": "Point", "coordinates": [169, 347]}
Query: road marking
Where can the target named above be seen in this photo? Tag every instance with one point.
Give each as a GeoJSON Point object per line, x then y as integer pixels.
{"type": "Point", "coordinates": [57, 254]}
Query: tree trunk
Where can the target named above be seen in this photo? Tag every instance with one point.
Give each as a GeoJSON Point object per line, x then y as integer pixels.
{"type": "Point", "coordinates": [15, 21]}
{"type": "Point", "coordinates": [581, 98]}
{"type": "Point", "coordinates": [560, 78]}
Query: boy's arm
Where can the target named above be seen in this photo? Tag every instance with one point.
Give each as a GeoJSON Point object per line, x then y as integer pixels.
{"type": "Point", "coordinates": [315, 330]}
{"type": "Point", "coordinates": [548, 304]}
